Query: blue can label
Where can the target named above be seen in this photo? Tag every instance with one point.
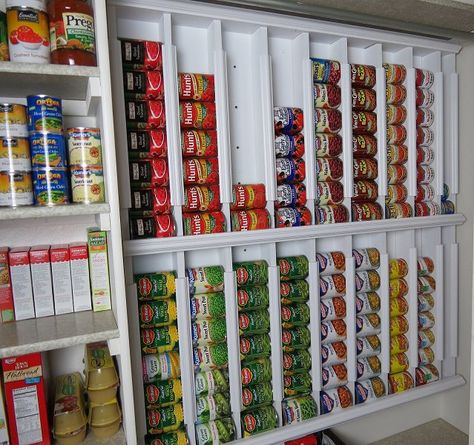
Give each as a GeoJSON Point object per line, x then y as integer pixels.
{"type": "Point", "coordinates": [45, 114]}
{"type": "Point", "coordinates": [50, 186]}
{"type": "Point", "coordinates": [48, 150]}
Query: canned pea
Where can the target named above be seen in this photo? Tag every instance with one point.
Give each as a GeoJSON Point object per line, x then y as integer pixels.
{"type": "Point", "coordinates": [205, 306]}
{"type": "Point", "coordinates": [299, 409]}
{"type": "Point", "coordinates": [216, 431]}
{"type": "Point", "coordinates": [254, 322]}
{"type": "Point", "coordinates": [255, 346]}
{"type": "Point", "coordinates": [205, 279]}
{"type": "Point", "coordinates": [296, 361]}
{"type": "Point", "coordinates": [212, 407]}
{"type": "Point", "coordinates": [204, 332]}
{"type": "Point", "coordinates": [298, 337]}
{"type": "Point", "coordinates": [296, 314]}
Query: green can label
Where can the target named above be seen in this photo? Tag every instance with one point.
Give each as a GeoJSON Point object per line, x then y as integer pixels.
{"type": "Point", "coordinates": [299, 409]}
{"type": "Point", "coordinates": [204, 306]}
{"type": "Point", "coordinates": [297, 314]}
{"type": "Point", "coordinates": [163, 420]}
{"type": "Point", "coordinates": [250, 273]}
{"type": "Point", "coordinates": [158, 340]}
{"type": "Point", "coordinates": [257, 395]}
{"type": "Point", "coordinates": [159, 285]}
{"type": "Point", "coordinates": [163, 393]}
{"type": "Point", "coordinates": [209, 357]}
{"type": "Point", "coordinates": [297, 384]}
{"type": "Point", "coordinates": [253, 297]}
{"type": "Point", "coordinates": [255, 346]}
{"type": "Point", "coordinates": [211, 407]}
{"type": "Point", "coordinates": [259, 420]}
{"type": "Point", "coordinates": [296, 361]}
{"type": "Point", "coordinates": [209, 331]}
{"type": "Point", "coordinates": [207, 279]}
{"type": "Point", "coordinates": [215, 432]}
{"type": "Point", "coordinates": [158, 313]}
{"type": "Point", "coordinates": [293, 268]}
{"type": "Point", "coordinates": [211, 382]}
{"type": "Point", "coordinates": [294, 291]}
{"type": "Point", "coordinates": [256, 371]}
{"type": "Point", "coordinates": [174, 438]}
{"type": "Point", "coordinates": [254, 322]}
{"type": "Point", "coordinates": [298, 337]}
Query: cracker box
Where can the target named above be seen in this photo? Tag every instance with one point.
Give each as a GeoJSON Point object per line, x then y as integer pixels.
{"type": "Point", "coordinates": [7, 312]}
{"type": "Point", "coordinates": [26, 400]}
{"type": "Point", "coordinates": [81, 289]}
{"type": "Point", "coordinates": [99, 270]}
{"type": "Point", "coordinates": [20, 275]}
{"type": "Point", "coordinates": [3, 420]}
{"type": "Point", "coordinates": [41, 279]}
{"type": "Point", "coordinates": [61, 272]}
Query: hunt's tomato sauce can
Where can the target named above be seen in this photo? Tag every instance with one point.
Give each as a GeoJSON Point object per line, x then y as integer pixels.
{"type": "Point", "coordinates": [256, 219]}
{"type": "Point", "coordinates": [142, 55]}
{"type": "Point", "coordinates": [290, 170]}
{"type": "Point", "coordinates": [395, 94]}
{"type": "Point", "coordinates": [326, 96]}
{"type": "Point", "coordinates": [288, 120]}
{"type": "Point", "coordinates": [329, 193]}
{"type": "Point", "coordinates": [365, 191]}
{"type": "Point", "coordinates": [424, 155]}
{"type": "Point", "coordinates": [331, 214]}
{"type": "Point", "coordinates": [153, 200]}
{"type": "Point", "coordinates": [199, 87]}
{"type": "Point", "coordinates": [199, 143]}
{"type": "Point", "coordinates": [396, 174]}
{"type": "Point", "coordinates": [198, 115]}
{"type": "Point", "coordinates": [364, 145]}
{"type": "Point", "coordinates": [291, 195]}
{"type": "Point", "coordinates": [203, 223]}
{"type": "Point", "coordinates": [427, 209]}
{"type": "Point", "coordinates": [201, 199]}
{"type": "Point", "coordinates": [396, 114]}
{"type": "Point", "coordinates": [147, 144]}
{"type": "Point", "coordinates": [326, 71]}
{"type": "Point", "coordinates": [144, 85]}
{"type": "Point", "coordinates": [289, 145]}
{"type": "Point", "coordinates": [424, 98]}
{"type": "Point", "coordinates": [399, 210]}
{"type": "Point", "coordinates": [394, 73]}
{"type": "Point", "coordinates": [330, 169]}
{"type": "Point", "coordinates": [396, 193]}
{"type": "Point", "coordinates": [424, 193]}
{"type": "Point", "coordinates": [327, 121]}
{"type": "Point", "coordinates": [424, 78]}
{"type": "Point", "coordinates": [365, 168]}
{"type": "Point", "coordinates": [424, 136]}
{"type": "Point", "coordinates": [201, 171]}
{"type": "Point", "coordinates": [327, 145]}
{"type": "Point", "coordinates": [248, 196]}
{"type": "Point", "coordinates": [363, 75]}
{"type": "Point", "coordinates": [363, 99]}
{"type": "Point", "coordinates": [158, 226]}
{"type": "Point", "coordinates": [397, 154]}
{"type": "Point", "coordinates": [366, 211]}
{"type": "Point", "coordinates": [424, 117]}
{"type": "Point", "coordinates": [364, 122]}
{"type": "Point", "coordinates": [145, 114]}
{"type": "Point", "coordinates": [149, 173]}
{"type": "Point", "coordinates": [396, 134]}
{"type": "Point", "coordinates": [292, 217]}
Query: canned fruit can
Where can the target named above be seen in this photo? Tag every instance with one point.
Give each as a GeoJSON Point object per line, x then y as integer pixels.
{"type": "Point", "coordinates": [332, 286]}
{"type": "Point", "coordinates": [296, 314]}
{"type": "Point", "coordinates": [298, 337]}
{"type": "Point", "coordinates": [398, 268]}
{"type": "Point", "coordinates": [251, 273]}
{"type": "Point", "coordinates": [367, 303]}
{"type": "Point", "coordinates": [424, 136]}
{"type": "Point", "coordinates": [366, 211]}
{"type": "Point", "coordinates": [16, 189]}
{"type": "Point", "coordinates": [212, 407]}
{"type": "Point", "coordinates": [163, 393]}
{"type": "Point", "coordinates": [156, 286]}
{"type": "Point", "coordinates": [210, 357]}
{"type": "Point", "coordinates": [331, 262]}
{"type": "Point", "coordinates": [425, 266]}
{"type": "Point", "coordinates": [248, 196]}
{"type": "Point", "coordinates": [155, 314]}
{"type": "Point", "coordinates": [398, 306]}
{"type": "Point", "coordinates": [426, 374]}
{"type": "Point", "coordinates": [252, 297]}
{"type": "Point", "coordinates": [424, 98]}
{"type": "Point", "coordinates": [257, 395]}
{"type": "Point", "coordinates": [369, 324]}
{"type": "Point", "coordinates": [147, 144]}
{"type": "Point", "coordinates": [427, 209]}
{"type": "Point", "coordinates": [424, 78]}
{"type": "Point", "coordinates": [367, 281]}
{"type": "Point", "coordinates": [368, 367]}
{"type": "Point", "coordinates": [142, 55]}
{"type": "Point", "coordinates": [398, 288]}
{"type": "Point", "coordinates": [364, 99]}
{"type": "Point", "coordinates": [333, 331]}
{"type": "Point", "coordinates": [424, 174]}
{"type": "Point", "coordinates": [426, 285]}
{"type": "Point", "coordinates": [395, 94]}
{"type": "Point", "coordinates": [288, 120]}
{"type": "Point", "coordinates": [199, 87]}
{"type": "Point", "coordinates": [85, 147]}
{"type": "Point", "coordinates": [398, 325]}
{"type": "Point", "coordinates": [426, 356]}
{"type": "Point", "coordinates": [396, 134]}
{"type": "Point", "coordinates": [290, 170]}
{"type": "Point", "coordinates": [199, 143]}
{"type": "Point", "coordinates": [396, 193]}
{"type": "Point", "coordinates": [254, 322]}
{"type": "Point", "coordinates": [296, 362]}
{"type": "Point", "coordinates": [334, 375]}
{"type": "Point", "coordinates": [364, 122]}
{"type": "Point", "coordinates": [447, 207]}
{"type": "Point", "coordinates": [330, 169]}
{"type": "Point", "coordinates": [148, 173]}
{"type": "Point", "coordinates": [425, 302]}
{"type": "Point", "coordinates": [399, 382]}
{"type": "Point", "coordinates": [289, 145]}
{"type": "Point", "coordinates": [365, 190]}
{"type": "Point", "coordinates": [256, 371]}
{"type": "Point", "coordinates": [293, 268]}
{"type": "Point", "coordinates": [399, 344]}
{"type": "Point", "coordinates": [294, 291]}
{"type": "Point", "coordinates": [326, 96]}
{"type": "Point", "coordinates": [333, 308]}
{"type": "Point", "coordinates": [326, 71]}
{"type": "Point", "coordinates": [424, 117]}
{"type": "Point", "coordinates": [334, 399]}
{"type": "Point", "coordinates": [205, 279]}
{"type": "Point", "coordinates": [255, 346]}
{"type": "Point", "coordinates": [201, 171]}
{"type": "Point", "coordinates": [48, 150]}
{"type": "Point", "coordinates": [28, 35]}
{"type": "Point", "coordinates": [198, 115]}
{"type": "Point", "coordinates": [144, 85]}
{"type": "Point", "coordinates": [368, 346]}
{"type": "Point", "coordinates": [298, 409]}
{"type": "Point", "coordinates": [363, 75]}
{"type": "Point", "coordinates": [256, 421]}
{"type": "Point", "coordinates": [145, 115]}
{"type": "Point", "coordinates": [333, 353]}
{"type": "Point", "coordinates": [256, 219]}
{"type": "Point", "coordinates": [366, 259]}
{"type": "Point", "coordinates": [399, 363]}
{"type": "Point", "coordinates": [424, 193]}
{"type": "Point", "coordinates": [397, 154]}
{"type": "Point", "coordinates": [206, 332]}
{"type": "Point", "coordinates": [369, 390]}
{"type": "Point", "coordinates": [327, 145]}
{"type": "Point", "coordinates": [200, 198]}
{"type": "Point", "coordinates": [396, 114]}
{"type": "Point", "coordinates": [424, 155]}
{"type": "Point", "coordinates": [396, 174]}
{"type": "Point", "coordinates": [327, 121]}
{"type": "Point", "coordinates": [50, 187]}
{"type": "Point", "coordinates": [331, 214]}
{"type": "Point", "coordinates": [364, 145]}
{"type": "Point", "coordinates": [426, 320]}
{"type": "Point", "coordinates": [87, 184]}
{"type": "Point", "coordinates": [208, 306]}
{"type": "Point", "coordinates": [158, 340]}
{"type": "Point", "coordinates": [157, 226]}
{"type": "Point", "coordinates": [215, 431]}
{"type": "Point", "coordinates": [290, 195]}
{"type": "Point", "coordinates": [14, 155]}
{"type": "Point", "coordinates": [158, 367]}
{"type": "Point", "coordinates": [297, 384]}
{"type": "Point", "coordinates": [365, 168]}
{"type": "Point", "coordinates": [399, 210]}
{"type": "Point", "coordinates": [13, 121]}
{"type": "Point", "coordinates": [394, 73]}
{"type": "Point", "coordinates": [292, 217]}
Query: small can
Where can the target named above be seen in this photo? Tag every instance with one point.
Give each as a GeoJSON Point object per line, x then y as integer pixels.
{"type": "Point", "coordinates": [426, 356]}
{"type": "Point", "coordinates": [293, 267]}
{"type": "Point", "coordinates": [335, 399]}
{"type": "Point", "coordinates": [364, 145]}
{"type": "Point", "coordinates": [396, 193]}
{"type": "Point", "coordinates": [327, 121]}
{"type": "Point", "coordinates": [398, 325]}
{"type": "Point", "coordinates": [252, 297]}
{"type": "Point", "coordinates": [426, 285]}
{"type": "Point", "coordinates": [149, 173]}
{"type": "Point", "coordinates": [365, 168]}
{"type": "Point", "coordinates": [424, 174]}
{"type": "Point", "coordinates": [208, 331]}
{"type": "Point", "coordinates": [331, 214]}
{"type": "Point", "coordinates": [364, 122]}
{"type": "Point", "coordinates": [396, 174]}
{"type": "Point", "coordinates": [256, 395]}
{"type": "Point", "coordinates": [145, 115]}
{"type": "Point", "coordinates": [87, 184]}
{"type": "Point", "coordinates": [297, 384]}
{"type": "Point", "coordinates": [151, 201]}
{"type": "Point", "coordinates": [399, 344]}
{"type": "Point", "coordinates": [296, 314]}
{"type": "Point", "coordinates": [424, 193]}
{"type": "Point", "coordinates": [427, 209]}
{"type": "Point", "coordinates": [199, 143]}
{"type": "Point", "coordinates": [398, 268]}
{"type": "Point", "coordinates": [424, 78]}
{"type": "Point", "coordinates": [424, 136]}
{"type": "Point", "coordinates": [251, 273]}
{"type": "Point", "coordinates": [399, 363]}
{"type": "Point", "coordinates": [369, 324]}
{"type": "Point", "coordinates": [424, 98]}
{"type": "Point", "coordinates": [50, 187]}
{"type": "Point", "coordinates": [398, 288]}
{"type": "Point", "coordinates": [163, 393]}
{"type": "Point", "coordinates": [48, 150]}
{"type": "Point", "coordinates": [201, 199]}
{"type": "Point", "coordinates": [333, 308]}
{"type": "Point", "coordinates": [289, 145]}
{"type": "Point", "coordinates": [157, 226]}
{"type": "Point", "coordinates": [447, 207]}
{"type": "Point", "coordinates": [334, 375]}
{"type": "Point", "coordinates": [198, 115]}
{"type": "Point", "coordinates": [426, 374]}
{"type": "Point", "coordinates": [199, 87]}
{"type": "Point", "coordinates": [156, 286]}
{"type": "Point", "coordinates": [256, 421]}
{"type": "Point", "coordinates": [399, 382]}
{"type": "Point", "coordinates": [144, 85]}
{"type": "Point", "coordinates": [166, 419]}
{"type": "Point", "coordinates": [394, 73]}
{"type": "Point", "coordinates": [424, 155]}
{"type": "Point", "coordinates": [425, 266]}
{"type": "Point", "coordinates": [425, 302]}
{"type": "Point", "coordinates": [326, 96]}
{"type": "Point", "coordinates": [158, 340]}
{"type": "Point", "coordinates": [291, 195]}
{"type": "Point", "coordinates": [396, 134]}
{"type": "Point", "coordinates": [84, 146]}
{"type": "Point", "coordinates": [178, 437]}
{"type": "Point", "coordinates": [333, 353]}
{"type": "Point", "coordinates": [331, 262]}
{"type": "Point", "coordinates": [330, 169]}
{"type": "Point", "coordinates": [256, 219]}
{"type": "Point", "coordinates": [398, 210]}
{"type": "Point", "coordinates": [395, 94]}
{"type": "Point", "coordinates": [256, 371]}
{"type": "Point", "coordinates": [368, 346]}
{"type": "Point", "coordinates": [203, 223]}
{"type": "Point", "coordinates": [248, 196]}
{"type": "Point", "coordinates": [298, 337]}
{"type": "Point", "coordinates": [398, 306]}
{"type": "Point", "coordinates": [205, 279]}
{"type": "Point", "coordinates": [332, 286]}
{"type": "Point", "coordinates": [290, 170]}
{"type": "Point", "coordinates": [368, 367]}
{"type": "Point", "coordinates": [298, 409]}
{"type": "Point", "coordinates": [367, 281]}
{"type": "Point", "coordinates": [363, 99]}
{"type": "Point", "coordinates": [365, 190]}
{"type": "Point", "coordinates": [214, 431]}
{"type": "Point", "coordinates": [255, 346]}
{"type": "Point", "coordinates": [14, 155]}
{"type": "Point", "coordinates": [326, 71]}
{"type": "Point", "coordinates": [296, 361]}
{"type": "Point", "coordinates": [292, 217]}
{"type": "Point", "coordinates": [142, 55]}
{"type": "Point", "coordinates": [162, 366]}
{"type": "Point", "coordinates": [333, 331]}
{"type": "Point", "coordinates": [44, 114]}
{"type": "Point", "coordinates": [369, 390]}
{"type": "Point", "coordinates": [367, 303]}
{"type": "Point", "coordinates": [396, 114]}
{"type": "Point", "coordinates": [424, 117]}
{"type": "Point", "coordinates": [210, 357]}
{"type": "Point", "coordinates": [13, 121]}
{"type": "Point", "coordinates": [294, 291]}
{"type": "Point", "coordinates": [366, 211]}
{"type": "Point", "coordinates": [16, 189]}
{"type": "Point", "coordinates": [288, 120]}
{"type": "Point", "coordinates": [363, 75]}
{"type": "Point", "coordinates": [147, 144]}
{"type": "Point", "coordinates": [397, 154]}
{"type": "Point", "coordinates": [208, 306]}
{"type": "Point", "coordinates": [201, 171]}
{"type": "Point", "coordinates": [327, 145]}
{"type": "Point", "coordinates": [155, 314]}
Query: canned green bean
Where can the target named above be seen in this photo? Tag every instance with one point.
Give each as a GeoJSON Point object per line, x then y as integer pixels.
{"type": "Point", "coordinates": [295, 315]}
{"type": "Point", "coordinates": [211, 407]}
{"type": "Point", "coordinates": [294, 291]}
{"type": "Point", "coordinates": [259, 420]}
{"type": "Point", "coordinates": [257, 395]}
{"type": "Point", "coordinates": [251, 273]}
{"type": "Point", "coordinates": [254, 322]}
{"type": "Point", "coordinates": [215, 432]}
{"type": "Point", "coordinates": [256, 371]}
{"type": "Point", "coordinates": [296, 361]}
{"type": "Point", "coordinates": [252, 297]}
{"type": "Point", "coordinates": [211, 382]}
{"type": "Point", "coordinates": [293, 267]}
{"type": "Point", "coordinates": [298, 337]}
{"type": "Point", "coordinates": [297, 384]}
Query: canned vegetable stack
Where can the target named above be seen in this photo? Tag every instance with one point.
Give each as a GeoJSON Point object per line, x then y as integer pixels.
{"type": "Point", "coordinates": [425, 173]}
{"type": "Point", "coordinates": [397, 153]}
{"type": "Point", "coordinates": [328, 142]}
{"type": "Point", "coordinates": [399, 378]}
{"type": "Point", "coordinates": [447, 206]}
{"type": "Point", "coordinates": [210, 356]}
{"type": "Point", "coordinates": [248, 210]}
{"type": "Point", "coordinates": [291, 210]}
{"type": "Point", "coordinates": [4, 53]}
{"type": "Point", "coordinates": [369, 386]}
{"type": "Point", "coordinates": [258, 413]}
{"type": "Point", "coordinates": [426, 372]}
{"type": "Point", "coordinates": [298, 404]}
{"type": "Point", "coordinates": [364, 142]}
{"type": "Point", "coordinates": [160, 356]}
{"type": "Point", "coordinates": [335, 394]}
{"type": "Point", "coordinates": [150, 213]}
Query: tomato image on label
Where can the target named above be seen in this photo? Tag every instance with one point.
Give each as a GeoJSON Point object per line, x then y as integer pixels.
{"type": "Point", "coordinates": [198, 115]}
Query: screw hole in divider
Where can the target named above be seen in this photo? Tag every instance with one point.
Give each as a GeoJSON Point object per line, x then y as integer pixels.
{"type": "Point", "coordinates": [235, 66]}
{"type": "Point", "coordinates": [235, 106]}
{"type": "Point", "coordinates": [237, 148]}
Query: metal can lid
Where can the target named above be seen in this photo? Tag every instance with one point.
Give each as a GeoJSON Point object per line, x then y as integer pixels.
{"type": "Point", "coordinates": [35, 4]}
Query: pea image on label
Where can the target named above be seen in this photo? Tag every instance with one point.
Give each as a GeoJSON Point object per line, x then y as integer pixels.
{"type": "Point", "coordinates": [211, 382]}
{"type": "Point", "coordinates": [215, 432]}
{"type": "Point", "coordinates": [259, 420]}
{"type": "Point", "coordinates": [209, 331]}
{"type": "Point", "coordinates": [299, 409]}
{"type": "Point", "coordinates": [205, 279]}
{"type": "Point", "coordinates": [255, 346]}
{"type": "Point", "coordinates": [163, 393]}
{"type": "Point", "coordinates": [296, 361]}
{"type": "Point", "coordinates": [252, 297]}
{"type": "Point", "coordinates": [209, 357]}
{"type": "Point", "coordinates": [211, 407]}
{"type": "Point", "coordinates": [206, 306]}
{"type": "Point", "coordinates": [257, 395]}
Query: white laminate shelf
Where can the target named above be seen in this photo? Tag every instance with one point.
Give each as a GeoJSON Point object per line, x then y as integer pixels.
{"type": "Point", "coordinates": [28, 212]}
{"type": "Point", "coordinates": [56, 332]}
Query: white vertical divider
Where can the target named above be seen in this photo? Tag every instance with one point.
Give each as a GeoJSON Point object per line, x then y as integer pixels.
{"type": "Point", "coordinates": [315, 324]}
{"type": "Point", "coordinates": [439, 302]}
{"type": "Point", "coordinates": [346, 111]}
{"type": "Point", "coordinates": [439, 135]}
{"type": "Point", "coordinates": [412, 309]}
{"type": "Point", "coordinates": [384, 294]}
{"type": "Point", "coordinates": [351, 320]}
{"type": "Point", "coordinates": [411, 130]}
{"type": "Point", "coordinates": [381, 135]}
{"type": "Point", "coordinates": [453, 143]}
{"type": "Point", "coordinates": [451, 288]}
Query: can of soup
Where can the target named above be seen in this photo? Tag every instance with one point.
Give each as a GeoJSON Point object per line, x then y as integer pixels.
{"type": "Point", "coordinates": [396, 134]}
{"type": "Point", "coordinates": [330, 169]}
{"type": "Point", "coordinates": [331, 214]}
{"type": "Point", "coordinates": [424, 193]}
{"type": "Point", "coordinates": [399, 210]}
{"type": "Point", "coordinates": [364, 146]}
{"type": "Point", "coordinates": [427, 209]}
{"type": "Point", "coordinates": [424, 155]}
{"type": "Point", "coordinates": [395, 94]}
{"type": "Point", "coordinates": [289, 145]}
{"type": "Point", "coordinates": [396, 193]}
{"type": "Point", "coordinates": [84, 146]}
{"type": "Point", "coordinates": [424, 136]}
{"type": "Point", "coordinates": [87, 184]}
{"type": "Point", "coordinates": [45, 114]}
{"type": "Point", "coordinates": [396, 114]}
{"type": "Point", "coordinates": [290, 170]}
{"type": "Point", "coordinates": [424, 98]}
{"type": "Point", "coordinates": [292, 217]}
{"type": "Point", "coordinates": [327, 121]}
{"type": "Point", "coordinates": [424, 117]}
{"type": "Point", "coordinates": [397, 154]}
{"type": "Point", "coordinates": [326, 96]}
{"type": "Point", "coordinates": [327, 145]}
{"type": "Point", "coordinates": [424, 78]}
{"type": "Point", "coordinates": [329, 193]}
{"type": "Point", "coordinates": [365, 190]}
{"type": "Point", "coordinates": [288, 120]}
{"type": "Point", "coordinates": [326, 71]}
{"type": "Point", "coordinates": [396, 174]}
{"type": "Point", "coordinates": [291, 195]}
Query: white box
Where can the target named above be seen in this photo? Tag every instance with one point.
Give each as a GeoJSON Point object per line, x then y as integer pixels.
{"type": "Point", "coordinates": [41, 279]}
{"type": "Point", "coordinates": [81, 287]}
{"type": "Point", "coordinates": [20, 274]}
{"type": "Point", "coordinates": [61, 272]}
{"type": "Point", "coordinates": [3, 420]}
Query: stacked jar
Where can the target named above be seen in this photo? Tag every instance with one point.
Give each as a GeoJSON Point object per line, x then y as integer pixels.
{"type": "Point", "coordinates": [369, 386]}
{"type": "Point", "coordinates": [335, 392]}
{"type": "Point", "coordinates": [425, 193]}
{"type": "Point", "coordinates": [16, 188]}
{"type": "Point", "coordinates": [397, 154]}
{"type": "Point", "coordinates": [150, 213]}
{"type": "Point", "coordinates": [364, 127]}
{"type": "Point", "coordinates": [399, 378]}
{"type": "Point", "coordinates": [328, 142]}
{"type": "Point", "coordinates": [426, 371]}
{"type": "Point", "coordinates": [248, 207]}
{"type": "Point", "coordinates": [290, 168]}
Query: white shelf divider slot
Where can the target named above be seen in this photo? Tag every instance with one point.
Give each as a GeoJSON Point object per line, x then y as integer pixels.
{"type": "Point", "coordinates": [384, 294]}
{"type": "Point", "coordinates": [309, 145]}
{"type": "Point", "coordinates": [351, 321]}
{"type": "Point", "coordinates": [452, 306]}
{"type": "Point", "coordinates": [346, 111]}
{"type": "Point", "coordinates": [453, 81]}
{"type": "Point", "coordinates": [439, 133]}
{"type": "Point", "coordinates": [315, 325]}
{"type": "Point", "coordinates": [381, 135]}
{"type": "Point", "coordinates": [411, 130]}
{"type": "Point", "coordinates": [412, 309]}
{"type": "Point", "coordinates": [439, 302]}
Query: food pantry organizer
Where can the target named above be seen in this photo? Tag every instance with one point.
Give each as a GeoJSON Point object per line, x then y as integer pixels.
{"type": "Point", "coordinates": [260, 60]}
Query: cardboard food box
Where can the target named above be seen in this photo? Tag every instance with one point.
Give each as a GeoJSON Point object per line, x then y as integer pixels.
{"type": "Point", "coordinates": [81, 288]}
{"type": "Point", "coordinates": [41, 279]}
{"type": "Point", "coordinates": [61, 272]}
{"type": "Point", "coordinates": [99, 270]}
{"type": "Point", "coordinates": [20, 275]}
{"type": "Point", "coordinates": [3, 420]}
{"type": "Point", "coordinates": [7, 312]}
{"type": "Point", "coordinates": [26, 400]}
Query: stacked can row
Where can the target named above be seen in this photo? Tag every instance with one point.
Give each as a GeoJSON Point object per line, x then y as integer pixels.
{"type": "Point", "coordinates": [425, 97]}
{"type": "Point", "coordinates": [397, 154]}
{"type": "Point", "coordinates": [328, 142]}
{"type": "Point", "coordinates": [426, 371]}
{"type": "Point", "coordinates": [298, 404]}
{"type": "Point", "coordinates": [290, 168]}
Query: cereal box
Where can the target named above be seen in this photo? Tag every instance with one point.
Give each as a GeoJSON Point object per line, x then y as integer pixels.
{"type": "Point", "coordinates": [99, 270]}
{"type": "Point", "coordinates": [3, 421]}
{"type": "Point", "coordinates": [6, 297]}
{"type": "Point", "coordinates": [41, 279]}
{"type": "Point", "coordinates": [61, 272]}
{"type": "Point", "coordinates": [20, 275]}
{"type": "Point", "coordinates": [81, 289]}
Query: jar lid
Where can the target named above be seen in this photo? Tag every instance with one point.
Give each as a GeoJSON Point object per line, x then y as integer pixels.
{"type": "Point", "coordinates": [35, 4]}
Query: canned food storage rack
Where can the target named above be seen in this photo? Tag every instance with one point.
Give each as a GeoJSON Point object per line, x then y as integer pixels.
{"type": "Point", "coordinates": [86, 101]}
{"type": "Point", "coordinates": [260, 60]}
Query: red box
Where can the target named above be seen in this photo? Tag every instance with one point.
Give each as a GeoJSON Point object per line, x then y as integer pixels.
{"type": "Point", "coordinates": [61, 272]}
{"type": "Point", "coordinates": [41, 279]}
{"type": "Point", "coordinates": [81, 288]}
{"type": "Point", "coordinates": [26, 400]}
{"type": "Point", "coordinates": [6, 296]}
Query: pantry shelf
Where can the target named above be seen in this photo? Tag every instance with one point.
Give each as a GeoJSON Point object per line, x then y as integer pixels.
{"type": "Point", "coordinates": [53, 212]}
{"type": "Point", "coordinates": [188, 243]}
{"type": "Point", "coordinates": [57, 332]}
